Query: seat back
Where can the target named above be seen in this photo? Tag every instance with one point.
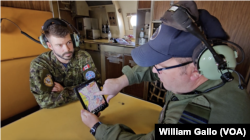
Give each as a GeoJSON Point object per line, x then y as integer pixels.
{"type": "Point", "coordinates": [17, 51]}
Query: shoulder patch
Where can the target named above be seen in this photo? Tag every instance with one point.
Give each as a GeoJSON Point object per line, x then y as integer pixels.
{"type": "Point", "coordinates": [196, 112]}
{"type": "Point", "coordinates": [156, 33]}
{"type": "Point", "coordinates": [86, 67]}
{"type": "Point", "coordinates": [89, 75]}
{"type": "Point", "coordinates": [48, 80]}
{"type": "Point", "coordinates": [190, 118]}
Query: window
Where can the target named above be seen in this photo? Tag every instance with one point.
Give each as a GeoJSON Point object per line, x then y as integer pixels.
{"type": "Point", "coordinates": [131, 20]}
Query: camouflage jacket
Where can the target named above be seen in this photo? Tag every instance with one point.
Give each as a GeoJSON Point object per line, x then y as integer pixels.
{"type": "Point", "coordinates": [46, 69]}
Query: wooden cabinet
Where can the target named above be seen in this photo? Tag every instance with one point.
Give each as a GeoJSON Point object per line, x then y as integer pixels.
{"type": "Point", "coordinates": [113, 65]}
{"type": "Point", "coordinates": [143, 20]}
{"type": "Point", "coordinates": [160, 7]}
{"type": "Point", "coordinates": [92, 46]}
{"type": "Point", "coordinates": [80, 8]}
{"type": "Point", "coordinates": [113, 59]}
{"type": "Point", "coordinates": [144, 4]}
{"type": "Point", "coordinates": [33, 5]}
{"type": "Point", "coordinates": [136, 90]}
{"type": "Point", "coordinates": [65, 11]}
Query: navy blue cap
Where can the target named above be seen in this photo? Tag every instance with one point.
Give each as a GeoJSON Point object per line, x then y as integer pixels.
{"type": "Point", "coordinates": [165, 43]}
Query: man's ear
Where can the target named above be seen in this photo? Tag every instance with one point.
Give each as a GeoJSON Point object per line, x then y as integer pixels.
{"type": "Point", "coordinates": [49, 45]}
{"type": "Point", "coordinates": [195, 73]}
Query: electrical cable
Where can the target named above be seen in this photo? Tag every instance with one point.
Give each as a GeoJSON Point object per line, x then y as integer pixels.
{"type": "Point", "coordinates": [243, 58]}
{"type": "Point", "coordinates": [215, 87]}
{"type": "Point", "coordinates": [241, 78]}
{"type": "Point", "coordinates": [223, 83]}
{"type": "Point", "coordinates": [12, 22]}
{"type": "Point", "coordinates": [71, 27]}
{"type": "Point", "coordinates": [242, 51]}
{"type": "Point", "coordinates": [215, 40]}
{"type": "Point", "coordinates": [22, 32]}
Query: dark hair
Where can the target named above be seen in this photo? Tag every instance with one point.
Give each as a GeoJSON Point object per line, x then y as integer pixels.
{"type": "Point", "coordinates": [56, 30]}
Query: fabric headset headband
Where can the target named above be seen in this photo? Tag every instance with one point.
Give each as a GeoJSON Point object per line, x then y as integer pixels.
{"type": "Point", "coordinates": [53, 21]}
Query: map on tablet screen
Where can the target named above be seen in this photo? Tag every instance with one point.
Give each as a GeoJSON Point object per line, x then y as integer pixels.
{"type": "Point", "coordinates": [90, 100]}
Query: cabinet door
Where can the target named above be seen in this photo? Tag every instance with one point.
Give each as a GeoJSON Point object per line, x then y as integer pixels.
{"type": "Point", "coordinates": [144, 4]}
{"type": "Point", "coordinates": [160, 7]}
{"type": "Point", "coordinates": [113, 67]}
{"type": "Point", "coordinates": [136, 90]}
{"type": "Point", "coordinates": [96, 57]}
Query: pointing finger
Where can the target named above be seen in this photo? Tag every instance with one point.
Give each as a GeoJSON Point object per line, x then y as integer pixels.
{"type": "Point", "coordinates": [100, 93]}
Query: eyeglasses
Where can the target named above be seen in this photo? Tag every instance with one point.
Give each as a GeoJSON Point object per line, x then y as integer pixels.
{"type": "Point", "coordinates": [183, 64]}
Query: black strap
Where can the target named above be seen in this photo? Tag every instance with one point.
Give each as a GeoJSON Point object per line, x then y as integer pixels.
{"type": "Point", "coordinates": [53, 21]}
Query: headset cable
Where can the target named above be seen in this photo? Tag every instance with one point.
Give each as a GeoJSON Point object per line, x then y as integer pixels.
{"type": "Point", "coordinates": [22, 32]}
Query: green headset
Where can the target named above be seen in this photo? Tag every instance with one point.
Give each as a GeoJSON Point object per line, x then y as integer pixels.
{"type": "Point", "coordinates": [213, 57]}
{"type": "Point", "coordinates": [74, 36]}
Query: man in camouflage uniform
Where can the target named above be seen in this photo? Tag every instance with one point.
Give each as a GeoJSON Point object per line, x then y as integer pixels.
{"type": "Point", "coordinates": [54, 74]}
{"type": "Point", "coordinates": [191, 97]}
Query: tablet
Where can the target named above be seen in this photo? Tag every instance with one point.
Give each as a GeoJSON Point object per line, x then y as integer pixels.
{"type": "Point", "coordinates": [92, 103]}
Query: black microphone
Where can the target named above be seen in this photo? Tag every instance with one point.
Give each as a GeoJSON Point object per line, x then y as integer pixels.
{"type": "Point", "coordinates": [30, 37]}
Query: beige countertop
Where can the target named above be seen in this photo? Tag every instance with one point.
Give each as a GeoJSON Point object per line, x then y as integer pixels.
{"type": "Point", "coordinates": [105, 42]}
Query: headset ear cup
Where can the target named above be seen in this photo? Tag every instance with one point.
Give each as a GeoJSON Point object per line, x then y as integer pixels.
{"type": "Point", "coordinates": [42, 39]}
{"type": "Point", "coordinates": [76, 39]}
{"type": "Point", "coordinates": [197, 53]}
{"type": "Point", "coordinates": [207, 64]}
{"type": "Point", "coordinates": [73, 40]}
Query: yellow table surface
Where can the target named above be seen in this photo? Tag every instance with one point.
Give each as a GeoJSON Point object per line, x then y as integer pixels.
{"type": "Point", "coordinates": [64, 123]}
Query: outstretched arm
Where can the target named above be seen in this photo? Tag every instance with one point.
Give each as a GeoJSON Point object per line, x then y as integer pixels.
{"type": "Point", "coordinates": [131, 76]}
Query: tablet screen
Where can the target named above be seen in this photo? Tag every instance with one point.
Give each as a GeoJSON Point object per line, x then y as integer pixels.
{"type": "Point", "coordinates": [91, 101]}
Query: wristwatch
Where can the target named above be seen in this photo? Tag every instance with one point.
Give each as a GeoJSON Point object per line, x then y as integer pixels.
{"type": "Point", "coordinates": [93, 129]}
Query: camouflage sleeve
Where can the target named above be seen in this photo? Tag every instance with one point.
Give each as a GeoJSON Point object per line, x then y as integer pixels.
{"type": "Point", "coordinates": [41, 85]}
{"type": "Point", "coordinates": [120, 132]}
{"type": "Point", "coordinates": [139, 74]}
